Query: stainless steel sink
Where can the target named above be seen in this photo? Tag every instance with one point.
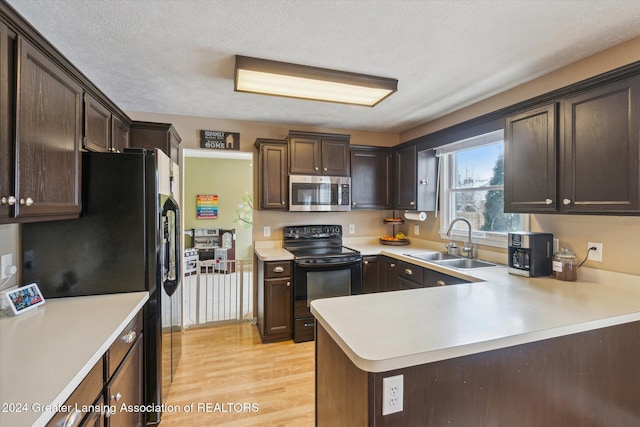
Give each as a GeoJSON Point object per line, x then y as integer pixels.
{"type": "Point", "coordinates": [465, 263]}
{"type": "Point", "coordinates": [434, 256]}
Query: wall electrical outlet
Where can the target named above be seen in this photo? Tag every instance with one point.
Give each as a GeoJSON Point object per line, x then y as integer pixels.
{"type": "Point", "coordinates": [352, 228]}
{"type": "Point", "coordinates": [556, 245]}
{"type": "Point", "coordinates": [6, 266]}
{"type": "Point", "coordinates": [595, 255]}
{"type": "Point", "coordinates": [416, 230]}
{"type": "Point", "coordinates": [267, 231]}
{"type": "Point", "coordinates": [392, 394]}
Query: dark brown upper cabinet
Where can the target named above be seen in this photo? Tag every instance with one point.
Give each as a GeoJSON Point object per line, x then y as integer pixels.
{"type": "Point", "coordinates": [318, 154]}
{"type": "Point", "coordinates": [156, 135]}
{"type": "Point", "coordinates": [48, 117]}
{"type": "Point", "coordinates": [120, 130]}
{"type": "Point", "coordinates": [580, 155]}
{"type": "Point", "coordinates": [371, 177]}
{"type": "Point", "coordinates": [599, 149]}
{"type": "Point", "coordinates": [272, 174]}
{"type": "Point", "coordinates": [7, 92]}
{"type": "Point", "coordinates": [405, 178]}
{"type": "Point", "coordinates": [97, 126]}
{"type": "Point", "coordinates": [530, 169]}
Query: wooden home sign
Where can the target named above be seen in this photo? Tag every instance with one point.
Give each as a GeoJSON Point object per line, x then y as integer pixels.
{"type": "Point", "coordinates": [219, 140]}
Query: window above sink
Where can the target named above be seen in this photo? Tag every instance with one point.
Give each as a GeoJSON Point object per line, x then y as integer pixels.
{"type": "Point", "coordinates": [472, 177]}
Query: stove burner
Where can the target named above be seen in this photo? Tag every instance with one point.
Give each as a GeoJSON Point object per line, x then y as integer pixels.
{"type": "Point", "coordinates": [321, 242]}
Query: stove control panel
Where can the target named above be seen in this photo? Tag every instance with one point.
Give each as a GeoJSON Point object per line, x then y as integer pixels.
{"type": "Point", "coordinates": [312, 231]}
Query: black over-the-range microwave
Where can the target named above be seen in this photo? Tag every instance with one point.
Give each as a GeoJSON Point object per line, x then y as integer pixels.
{"type": "Point", "coordinates": [310, 193]}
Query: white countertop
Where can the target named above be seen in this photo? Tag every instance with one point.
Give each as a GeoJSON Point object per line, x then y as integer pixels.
{"type": "Point", "coordinates": [47, 352]}
{"type": "Point", "coordinates": [271, 250]}
{"type": "Point", "coordinates": [393, 330]}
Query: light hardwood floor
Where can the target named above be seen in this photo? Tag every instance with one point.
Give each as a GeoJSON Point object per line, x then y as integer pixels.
{"type": "Point", "coordinates": [224, 366]}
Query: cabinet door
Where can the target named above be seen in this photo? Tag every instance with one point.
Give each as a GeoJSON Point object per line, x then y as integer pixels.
{"type": "Point", "coordinates": [119, 135]}
{"type": "Point", "coordinates": [97, 126]}
{"type": "Point", "coordinates": [370, 179]}
{"type": "Point", "coordinates": [304, 156]}
{"type": "Point", "coordinates": [7, 91]}
{"type": "Point", "coordinates": [125, 388]}
{"type": "Point", "coordinates": [599, 149]}
{"type": "Point", "coordinates": [277, 303]}
{"type": "Point", "coordinates": [530, 161]}
{"type": "Point", "coordinates": [49, 123]}
{"type": "Point", "coordinates": [427, 183]}
{"type": "Point", "coordinates": [335, 157]}
{"type": "Point", "coordinates": [371, 274]}
{"type": "Point", "coordinates": [405, 182]}
{"type": "Point", "coordinates": [389, 275]}
{"type": "Point", "coordinates": [274, 191]}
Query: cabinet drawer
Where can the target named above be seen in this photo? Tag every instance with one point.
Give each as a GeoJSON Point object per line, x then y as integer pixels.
{"type": "Point", "coordinates": [411, 272]}
{"type": "Point", "coordinates": [123, 343]}
{"type": "Point", "coordinates": [85, 394]}
{"type": "Point", "coordinates": [277, 269]}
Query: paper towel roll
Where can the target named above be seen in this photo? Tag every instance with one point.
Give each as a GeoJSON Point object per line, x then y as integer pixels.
{"type": "Point", "coordinates": [416, 216]}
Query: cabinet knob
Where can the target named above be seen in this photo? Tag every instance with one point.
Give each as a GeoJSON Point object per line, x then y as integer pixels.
{"type": "Point", "coordinates": [440, 283]}
{"type": "Point", "coordinates": [288, 283]}
{"type": "Point", "coordinates": [412, 203]}
{"type": "Point", "coordinates": [278, 269]}
{"type": "Point", "coordinates": [28, 201]}
{"type": "Point", "coordinates": [282, 202]}
{"type": "Point", "coordinates": [353, 203]}
{"type": "Point", "coordinates": [408, 272]}
{"type": "Point", "coordinates": [315, 168]}
{"type": "Point", "coordinates": [130, 337]}
{"type": "Point", "coordinates": [566, 202]}
{"type": "Point", "coordinates": [548, 201]}
{"type": "Point", "coordinates": [324, 169]}
{"type": "Point", "coordinates": [365, 262]}
{"type": "Point", "coordinates": [8, 201]}
{"type": "Point", "coordinates": [117, 396]}
{"type": "Point", "coordinates": [424, 182]}
{"type": "Point", "coordinates": [392, 265]}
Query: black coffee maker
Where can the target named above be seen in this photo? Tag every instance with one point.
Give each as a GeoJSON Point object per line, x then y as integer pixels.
{"type": "Point", "coordinates": [530, 253]}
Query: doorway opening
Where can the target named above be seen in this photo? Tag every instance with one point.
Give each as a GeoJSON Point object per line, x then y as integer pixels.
{"type": "Point", "coordinates": [217, 218]}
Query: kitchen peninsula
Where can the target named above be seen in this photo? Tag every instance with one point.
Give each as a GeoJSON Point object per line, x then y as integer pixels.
{"type": "Point", "coordinates": [504, 351]}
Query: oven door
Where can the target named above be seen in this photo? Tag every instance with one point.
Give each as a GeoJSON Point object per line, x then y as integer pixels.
{"type": "Point", "coordinates": [315, 279]}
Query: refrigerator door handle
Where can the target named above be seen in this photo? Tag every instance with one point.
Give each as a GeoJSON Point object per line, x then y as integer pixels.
{"type": "Point", "coordinates": [170, 285]}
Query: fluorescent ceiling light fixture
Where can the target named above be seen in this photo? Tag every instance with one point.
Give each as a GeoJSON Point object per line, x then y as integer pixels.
{"type": "Point", "coordinates": [266, 77]}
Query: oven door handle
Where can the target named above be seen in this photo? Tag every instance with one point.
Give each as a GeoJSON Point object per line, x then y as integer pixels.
{"type": "Point", "coordinates": [307, 264]}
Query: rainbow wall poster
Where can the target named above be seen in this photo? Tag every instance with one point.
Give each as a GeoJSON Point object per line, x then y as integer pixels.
{"type": "Point", "coordinates": [207, 206]}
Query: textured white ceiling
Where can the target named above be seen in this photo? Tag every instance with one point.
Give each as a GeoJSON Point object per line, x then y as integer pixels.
{"type": "Point", "coordinates": [176, 57]}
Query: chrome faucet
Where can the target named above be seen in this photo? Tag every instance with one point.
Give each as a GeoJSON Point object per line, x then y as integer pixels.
{"type": "Point", "coordinates": [468, 248]}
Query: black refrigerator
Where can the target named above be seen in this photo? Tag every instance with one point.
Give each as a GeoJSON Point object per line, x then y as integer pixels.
{"type": "Point", "coordinates": [127, 239]}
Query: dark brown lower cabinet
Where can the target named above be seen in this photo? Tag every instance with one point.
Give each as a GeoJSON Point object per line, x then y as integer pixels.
{"type": "Point", "coordinates": [88, 392]}
{"type": "Point", "coordinates": [275, 300]}
{"type": "Point", "coordinates": [584, 379]}
{"type": "Point", "coordinates": [371, 277]}
{"type": "Point", "coordinates": [397, 275]}
{"type": "Point", "coordinates": [124, 390]}
{"type": "Point", "coordinates": [388, 274]}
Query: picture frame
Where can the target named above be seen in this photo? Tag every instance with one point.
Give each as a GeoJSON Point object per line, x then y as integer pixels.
{"type": "Point", "coordinates": [24, 298]}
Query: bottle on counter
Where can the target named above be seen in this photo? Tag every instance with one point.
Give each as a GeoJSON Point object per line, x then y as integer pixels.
{"type": "Point", "coordinates": [564, 265]}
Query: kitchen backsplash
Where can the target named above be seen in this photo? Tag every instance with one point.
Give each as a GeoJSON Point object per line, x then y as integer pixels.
{"type": "Point", "coordinates": [618, 234]}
